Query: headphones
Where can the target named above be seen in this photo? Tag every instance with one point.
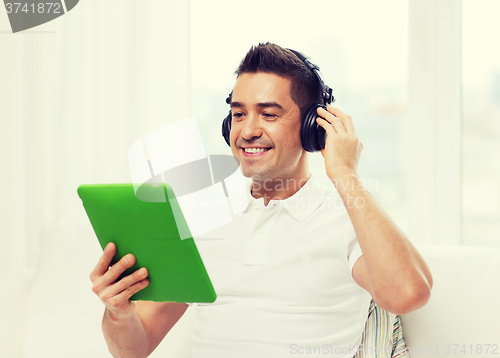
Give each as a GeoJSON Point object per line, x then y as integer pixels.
{"type": "Point", "coordinates": [312, 135]}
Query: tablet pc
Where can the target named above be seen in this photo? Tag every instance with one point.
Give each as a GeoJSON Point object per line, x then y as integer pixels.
{"type": "Point", "coordinates": [149, 230]}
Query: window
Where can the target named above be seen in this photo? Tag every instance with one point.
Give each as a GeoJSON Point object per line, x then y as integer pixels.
{"type": "Point", "coordinates": [481, 123]}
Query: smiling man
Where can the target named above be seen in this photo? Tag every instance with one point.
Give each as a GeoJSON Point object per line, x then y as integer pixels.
{"type": "Point", "coordinates": [296, 271]}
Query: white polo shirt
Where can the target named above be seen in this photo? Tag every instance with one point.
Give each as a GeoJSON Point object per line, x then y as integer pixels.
{"type": "Point", "coordinates": [282, 274]}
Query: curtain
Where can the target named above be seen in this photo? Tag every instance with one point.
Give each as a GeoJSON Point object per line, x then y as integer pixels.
{"type": "Point", "coordinates": [75, 93]}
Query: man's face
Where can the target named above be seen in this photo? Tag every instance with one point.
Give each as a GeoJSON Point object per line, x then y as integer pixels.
{"type": "Point", "coordinates": [265, 129]}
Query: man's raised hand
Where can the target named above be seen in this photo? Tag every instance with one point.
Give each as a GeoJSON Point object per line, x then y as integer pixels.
{"type": "Point", "coordinates": [343, 148]}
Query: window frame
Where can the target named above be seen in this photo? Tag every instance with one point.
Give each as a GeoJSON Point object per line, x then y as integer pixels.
{"type": "Point", "coordinates": [432, 131]}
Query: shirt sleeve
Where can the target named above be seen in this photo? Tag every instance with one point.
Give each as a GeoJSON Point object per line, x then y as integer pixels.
{"type": "Point", "coordinates": [354, 251]}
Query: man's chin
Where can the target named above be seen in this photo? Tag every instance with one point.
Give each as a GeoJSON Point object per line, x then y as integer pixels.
{"type": "Point", "coordinates": [250, 173]}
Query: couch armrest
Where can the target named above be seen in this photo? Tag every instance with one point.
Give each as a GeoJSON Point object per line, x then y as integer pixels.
{"type": "Point", "coordinates": [463, 308]}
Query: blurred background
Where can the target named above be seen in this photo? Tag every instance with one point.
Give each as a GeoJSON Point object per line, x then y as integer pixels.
{"type": "Point", "coordinates": [421, 80]}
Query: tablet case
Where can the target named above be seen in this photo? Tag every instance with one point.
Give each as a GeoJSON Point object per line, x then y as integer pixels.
{"type": "Point", "coordinates": [149, 229]}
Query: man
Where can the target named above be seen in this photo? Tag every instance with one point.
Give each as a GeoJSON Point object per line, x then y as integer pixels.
{"type": "Point", "coordinates": [295, 271]}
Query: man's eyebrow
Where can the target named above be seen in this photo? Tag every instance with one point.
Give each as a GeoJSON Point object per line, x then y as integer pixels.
{"type": "Point", "coordinates": [260, 105]}
{"type": "Point", "coordinates": [237, 104]}
{"type": "Point", "coordinates": [269, 104]}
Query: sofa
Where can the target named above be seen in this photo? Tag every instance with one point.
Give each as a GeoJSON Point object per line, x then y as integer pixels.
{"type": "Point", "coordinates": [51, 312]}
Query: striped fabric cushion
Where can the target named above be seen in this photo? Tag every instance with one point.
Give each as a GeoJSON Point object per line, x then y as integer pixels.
{"type": "Point", "coordinates": [383, 335]}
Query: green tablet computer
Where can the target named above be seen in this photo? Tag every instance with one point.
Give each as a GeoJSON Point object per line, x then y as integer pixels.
{"type": "Point", "coordinates": [151, 229]}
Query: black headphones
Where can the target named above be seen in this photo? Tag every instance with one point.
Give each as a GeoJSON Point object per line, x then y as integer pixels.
{"type": "Point", "coordinates": [312, 135]}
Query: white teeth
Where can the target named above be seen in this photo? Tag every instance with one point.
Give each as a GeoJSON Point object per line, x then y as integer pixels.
{"type": "Point", "coordinates": [256, 150]}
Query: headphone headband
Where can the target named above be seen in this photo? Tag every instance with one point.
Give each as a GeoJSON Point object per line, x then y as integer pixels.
{"type": "Point", "coordinates": [312, 135]}
{"type": "Point", "coordinates": [326, 92]}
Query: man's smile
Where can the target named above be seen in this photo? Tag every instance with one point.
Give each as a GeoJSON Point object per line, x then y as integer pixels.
{"type": "Point", "coordinates": [255, 151]}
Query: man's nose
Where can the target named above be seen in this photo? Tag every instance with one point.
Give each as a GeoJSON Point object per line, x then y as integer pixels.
{"type": "Point", "coordinates": [251, 127]}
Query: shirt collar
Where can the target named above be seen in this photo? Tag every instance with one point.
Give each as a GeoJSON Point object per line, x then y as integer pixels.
{"type": "Point", "coordinates": [301, 204]}
{"type": "Point", "coordinates": [306, 200]}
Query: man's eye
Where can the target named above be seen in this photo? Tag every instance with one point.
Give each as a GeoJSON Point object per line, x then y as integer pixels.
{"type": "Point", "coordinates": [237, 115]}
{"type": "Point", "coordinates": [269, 115]}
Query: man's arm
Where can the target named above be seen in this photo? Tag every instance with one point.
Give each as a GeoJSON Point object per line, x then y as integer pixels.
{"type": "Point", "coordinates": [138, 334]}
{"type": "Point", "coordinates": [391, 269]}
{"type": "Point", "coordinates": [131, 329]}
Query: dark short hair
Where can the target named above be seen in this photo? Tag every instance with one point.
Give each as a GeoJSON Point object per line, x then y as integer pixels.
{"type": "Point", "coordinates": [271, 58]}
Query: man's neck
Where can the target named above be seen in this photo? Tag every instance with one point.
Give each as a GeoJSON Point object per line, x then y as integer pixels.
{"type": "Point", "coordinates": [278, 189]}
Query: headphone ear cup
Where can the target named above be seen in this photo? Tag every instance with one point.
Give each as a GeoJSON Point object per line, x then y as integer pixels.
{"type": "Point", "coordinates": [226, 128]}
{"type": "Point", "coordinates": [312, 135]}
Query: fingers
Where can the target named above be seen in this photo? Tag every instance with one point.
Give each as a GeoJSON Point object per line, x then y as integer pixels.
{"type": "Point", "coordinates": [329, 119]}
{"type": "Point", "coordinates": [120, 305]}
{"type": "Point", "coordinates": [330, 130]}
{"type": "Point", "coordinates": [126, 287]}
{"type": "Point", "coordinates": [112, 274]}
{"type": "Point", "coordinates": [104, 277]}
{"type": "Point", "coordinates": [102, 269]}
{"type": "Point", "coordinates": [104, 262]}
{"type": "Point", "coordinates": [341, 122]}
{"type": "Point", "coordinates": [118, 268]}
{"type": "Point", "coordinates": [116, 294]}
{"type": "Point", "coordinates": [122, 297]}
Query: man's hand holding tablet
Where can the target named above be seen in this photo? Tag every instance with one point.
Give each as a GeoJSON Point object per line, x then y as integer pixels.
{"type": "Point", "coordinates": [130, 327]}
{"type": "Point", "coordinates": [116, 294]}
